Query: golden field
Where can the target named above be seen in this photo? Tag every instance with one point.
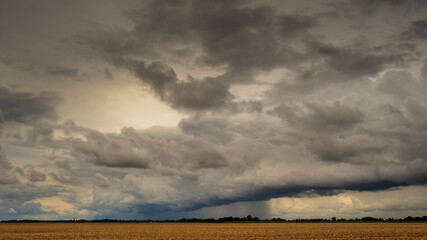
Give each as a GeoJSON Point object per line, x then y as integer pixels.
{"type": "Point", "coordinates": [125, 231]}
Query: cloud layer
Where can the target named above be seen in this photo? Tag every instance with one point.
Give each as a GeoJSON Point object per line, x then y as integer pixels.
{"type": "Point", "coordinates": [280, 109]}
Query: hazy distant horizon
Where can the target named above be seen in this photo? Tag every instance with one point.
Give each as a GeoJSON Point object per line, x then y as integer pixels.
{"type": "Point", "coordinates": [203, 109]}
{"type": "Point", "coordinates": [229, 219]}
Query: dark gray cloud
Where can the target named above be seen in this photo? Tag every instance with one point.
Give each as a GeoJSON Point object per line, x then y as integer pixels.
{"type": "Point", "coordinates": [248, 38]}
{"type": "Point", "coordinates": [1, 117]}
{"type": "Point", "coordinates": [12, 174]}
{"type": "Point", "coordinates": [417, 30]}
{"type": "Point", "coordinates": [108, 75]}
{"type": "Point", "coordinates": [202, 155]}
{"type": "Point", "coordinates": [22, 64]}
{"type": "Point", "coordinates": [369, 7]}
{"type": "Point", "coordinates": [30, 208]}
{"type": "Point", "coordinates": [28, 107]}
{"type": "Point", "coordinates": [192, 94]}
{"type": "Point", "coordinates": [339, 65]}
{"type": "Point", "coordinates": [334, 117]}
{"type": "Point", "coordinates": [223, 161]}
{"type": "Point", "coordinates": [159, 77]}
{"type": "Point", "coordinates": [40, 134]}
{"type": "Point", "coordinates": [48, 71]}
{"type": "Point", "coordinates": [62, 71]}
{"type": "Point", "coordinates": [206, 127]}
{"type": "Point", "coordinates": [34, 176]}
{"type": "Point", "coordinates": [18, 203]}
{"type": "Point", "coordinates": [7, 175]}
{"type": "Point", "coordinates": [352, 149]}
{"type": "Point", "coordinates": [164, 21]}
{"type": "Point", "coordinates": [6, 170]}
{"type": "Point", "coordinates": [424, 71]}
{"type": "Point", "coordinates": [241, 39]}
{"type": "Point", "coordinates": [111, 153]}
{"type": "Point", "coordinates": [251, 106]}
{"type": "Point", "coordinates": [353, 64]}
{"type": "Point", "coordinates": [366, 8]}
{"type": "Point", "coordinates": [195, 94]}
{"type": "Point", "coordinates": [131, 149]}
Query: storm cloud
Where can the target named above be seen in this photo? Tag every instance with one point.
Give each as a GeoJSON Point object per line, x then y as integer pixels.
{"type": "Point", "coordinates": [417, 30]}
{"type": "Point", "coordinates": [131, 149]}
{"type": "Point", "coordinates": [28, 107]}
{"type": "Point", "coordinates": [7, 177]}
{"type": "Point", "coordinates": [192, 94]}
{"type": "Point", "coordinates": [168, 109]}
{"type": "Point", "coordinates": [333, 117]}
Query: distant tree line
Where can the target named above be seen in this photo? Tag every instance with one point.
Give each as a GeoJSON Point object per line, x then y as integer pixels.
{"type": "Point", "coordinates": [249, 218]}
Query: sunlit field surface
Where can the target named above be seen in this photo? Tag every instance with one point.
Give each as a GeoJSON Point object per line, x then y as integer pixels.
{"type": "Point", "coordinates": [213, 231]}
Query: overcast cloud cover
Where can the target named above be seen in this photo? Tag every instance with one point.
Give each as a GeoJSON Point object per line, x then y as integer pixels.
{"type": "Point", "coordinates": [169, 109]}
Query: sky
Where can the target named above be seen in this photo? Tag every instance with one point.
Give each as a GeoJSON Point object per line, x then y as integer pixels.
{"type": "Point", "coordinates": [194, 108]}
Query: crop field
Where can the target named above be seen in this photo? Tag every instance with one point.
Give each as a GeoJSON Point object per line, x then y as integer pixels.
{"type": "Point", "coordinates": [124, 231]}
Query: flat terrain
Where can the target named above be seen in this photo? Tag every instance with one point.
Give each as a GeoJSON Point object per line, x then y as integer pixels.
{"type": "Point", "coordinates": [124, 231]}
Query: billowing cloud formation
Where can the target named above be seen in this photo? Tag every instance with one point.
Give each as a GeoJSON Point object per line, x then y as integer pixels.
{"type": "Point", "coordinates": [27, 107]}
{"type": "Point", "coordinates": [221, 161]}
{"type": "Point", "coordinates": [6, 176]}
{"type": "Point", "coordinates": [192, 94]}
{"type": "Point", "coordinates": [243, 41]}
{"type": "Point", "coordinates": [280, 107]}
{"type": "Point", "coordinates": [335, 118]}
{"type": "Point", "coordinates": [241, 38]}
{"type": "Point", "coordinates": [131, 149]}
{"type": "Point", "coordinates": [416, 31]}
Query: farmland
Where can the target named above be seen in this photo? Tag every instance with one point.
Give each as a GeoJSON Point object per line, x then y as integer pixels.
{"type": "Point", "coordinates": [123, 231]}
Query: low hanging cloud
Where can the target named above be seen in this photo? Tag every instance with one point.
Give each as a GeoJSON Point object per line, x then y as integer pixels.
{"type": "Point", "coordinates": [28, 107]}
{"type": "Point", "coordinates": [359, 149]}
{"type": "Point", "coordinates": [61, 71]}
{"type": "Point", "coordinates": [40, 133]}
{"type": "Point", "coordinates": [6, 170]}
{"type": "Point", "coordinates": [109, 152]}
{"type": "Point", "coordinates": [131, 149]}
{"type": "Point", "coordinates": [244, 168]}
{"type": "Point", "coordinates": [334, 117]}
{"type": "Point", "coordinates": [14, 107]}
{"type": "Point", "coordinates": [220, 159]}
{"type": "Point", "coordinates": [417, 30]}
{"type": "Point", "coordinates": [192, 94]}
